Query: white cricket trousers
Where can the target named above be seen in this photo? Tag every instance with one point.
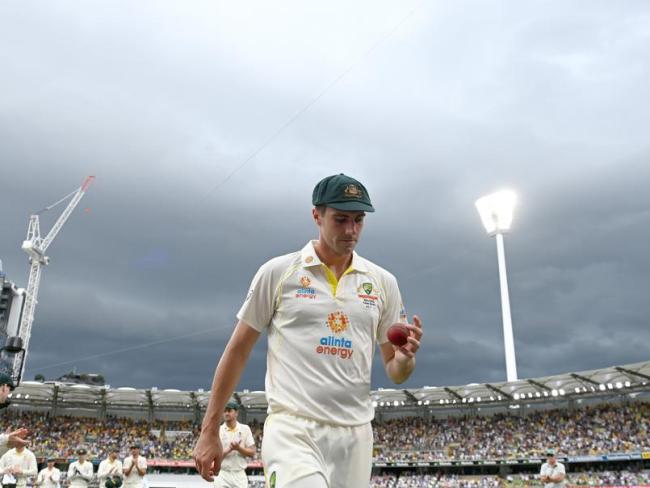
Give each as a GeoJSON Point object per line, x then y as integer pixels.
{"type": "Point", "coordinates": [296, 447]}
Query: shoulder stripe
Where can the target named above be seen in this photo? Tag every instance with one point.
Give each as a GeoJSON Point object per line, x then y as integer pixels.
{"type": "Point", "coordinates": [285, 276]}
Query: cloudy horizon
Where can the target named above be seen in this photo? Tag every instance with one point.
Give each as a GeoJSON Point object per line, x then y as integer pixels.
{"type": "Point", "coordinates": [208, 124]}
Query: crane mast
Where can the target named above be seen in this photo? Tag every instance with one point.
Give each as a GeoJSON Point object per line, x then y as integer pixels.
{"type": "Point", "coordinates": [36, 247]}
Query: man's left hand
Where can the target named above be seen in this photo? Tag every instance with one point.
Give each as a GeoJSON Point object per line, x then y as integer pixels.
{"type": "Point", "coordinates": [407, 352]}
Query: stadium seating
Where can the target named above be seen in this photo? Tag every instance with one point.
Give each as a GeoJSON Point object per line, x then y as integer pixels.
{"type": "Point", "coordinates": [587, 431]}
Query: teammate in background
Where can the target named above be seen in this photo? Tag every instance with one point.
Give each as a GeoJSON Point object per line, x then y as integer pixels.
{"type": "Point", "coordinates": [110, 470]}
{"type": "Point", "coordinates": [17, 437]}
{"type": "Point", "coordinates": [17, 465]}
{"type": "Point", "coordinates": [135, 467]}
{"type": "Point", "coordinates": [49, 476]}
{"type": "Point", "coordinates": [239, 444]}
{"type": "Point", "coordinates": [552, 473]}
{"type": "Point", "coordinates": [80, 472]}
{"type": "Point", "coordinates": [325, 309]}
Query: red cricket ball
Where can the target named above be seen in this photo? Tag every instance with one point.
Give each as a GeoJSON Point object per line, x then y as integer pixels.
{"type": "Point", "coordinates": [398, 334]}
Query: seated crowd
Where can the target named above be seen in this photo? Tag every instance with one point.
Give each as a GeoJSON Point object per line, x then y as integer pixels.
{"type": "Point", "coordinates": [592, 430]}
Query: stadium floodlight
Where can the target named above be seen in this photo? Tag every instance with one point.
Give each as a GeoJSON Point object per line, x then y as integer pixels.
{"type": "Point", "coordinates": [496, 211]}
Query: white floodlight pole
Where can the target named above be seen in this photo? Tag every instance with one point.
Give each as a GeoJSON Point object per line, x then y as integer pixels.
{"type": "Point", "coordinates": [508, 338]}
{"type": "Point", "coordinates": [496, 213]}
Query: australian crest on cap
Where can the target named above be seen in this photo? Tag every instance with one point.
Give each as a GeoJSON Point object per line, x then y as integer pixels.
{"type": "Point", "coordinates": [352, 191]}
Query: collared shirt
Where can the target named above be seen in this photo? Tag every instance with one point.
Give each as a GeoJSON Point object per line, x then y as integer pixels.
{"type": "Point", "coordinates": [79, 475]}
{"type": "Point", "coordinates": [49, 478]}
{"type": "Point", "coordinates": [25, 460]}
{"type": "Point", "coordinates": [134, 477]}
{"type": "Point", "coordinates": [548, 470]}
{"type": "Point", "coordinates": [322, 333]}
{"type": "Point", "coordinates": [241, 434]}
{"type": "Point", "coordinates": [109, 468]}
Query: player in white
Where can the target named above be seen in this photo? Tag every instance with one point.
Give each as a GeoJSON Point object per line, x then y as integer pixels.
{"type": "Point", "coordinates": [552, 473]}
{"type": "Point", "coordinates": [239, 444]}
{"type": "Point", "coordinates": [17, 437]}
{"type": "Point", "coordinates": [135, 467]}
{"type": "Point", "coordinates": [49, 476]}
{"type": "Point", "coordinates": [16, 465]}
{"type": "Point", "coordinates": [80, 472]}
{"type": "Point", "coordinates": [110, 472]}
{"type": "Point", "coordinates": [325, 310]}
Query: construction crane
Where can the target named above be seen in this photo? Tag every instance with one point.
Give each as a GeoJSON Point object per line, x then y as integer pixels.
{"type": "Point", "coordinates": [36, 246]}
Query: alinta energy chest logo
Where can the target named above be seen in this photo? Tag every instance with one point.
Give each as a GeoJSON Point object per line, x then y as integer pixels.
{"type": "Point", "coordinates": [337, 322]}
{"type": "Point", "coordinates": [305, 291]}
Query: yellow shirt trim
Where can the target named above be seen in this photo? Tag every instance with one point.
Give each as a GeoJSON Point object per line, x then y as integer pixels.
{"type": "Point", "coordinates": [331, 277]}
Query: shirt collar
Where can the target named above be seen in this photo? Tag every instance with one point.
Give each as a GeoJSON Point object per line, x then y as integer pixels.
{"type": "Point", "coordinates": [310, 258]}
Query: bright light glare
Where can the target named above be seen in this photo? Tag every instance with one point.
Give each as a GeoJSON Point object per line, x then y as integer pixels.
{"type": "Point", "coordinates": [496, 211]}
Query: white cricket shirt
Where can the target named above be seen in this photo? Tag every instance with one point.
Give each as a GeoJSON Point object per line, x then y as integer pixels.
{"type": "Point", "coordinates": [548, 470]}
{"type": "Point", "coordinates": [49, 478]}
{"type": "Point", "coordinates": [25, 460]}
{"type": "Point", "coordinates": [322, 333]}
{"type": "Point", "coordinates": [79, 475]}
{"type": "Point", "coordinates": [134, 478]}
{"type": "Point", "coordinates": [108, 468]}
{"type": "Point", "coordinates": [241, 434]}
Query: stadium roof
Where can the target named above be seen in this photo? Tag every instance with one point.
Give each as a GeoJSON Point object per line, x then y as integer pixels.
{"type": "Point", "coordinates": [600, 382]}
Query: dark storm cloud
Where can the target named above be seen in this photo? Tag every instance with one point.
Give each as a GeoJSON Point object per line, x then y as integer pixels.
{"type": "Point", "coordinates": [164, 102]}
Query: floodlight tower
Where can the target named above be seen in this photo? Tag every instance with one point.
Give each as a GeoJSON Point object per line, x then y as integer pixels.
{"type": "Point", "coordinates": [35, 246]}
{"type": "Point", "coordinates": [496, 212]}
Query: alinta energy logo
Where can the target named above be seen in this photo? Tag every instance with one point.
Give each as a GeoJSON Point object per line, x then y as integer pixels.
{"type": "Point", "coordinates": [305, 291]}
{"type": "Point", "coordinates": [332, 345]}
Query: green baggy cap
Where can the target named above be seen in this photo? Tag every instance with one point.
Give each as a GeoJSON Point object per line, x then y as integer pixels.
{"type": "Point", "coordinates": [342, 193]}
{"type": "Point", "coordinates": [232, 406]}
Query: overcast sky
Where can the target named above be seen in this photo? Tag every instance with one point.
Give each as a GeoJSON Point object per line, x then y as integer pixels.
{"type": "Point", "coordinates": [207, 125]}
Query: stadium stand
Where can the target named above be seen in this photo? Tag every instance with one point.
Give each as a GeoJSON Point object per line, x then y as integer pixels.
{"type": "Point", "coordinates": [449, 436]}
{"type": "Point", "coordinates": [593, 430]}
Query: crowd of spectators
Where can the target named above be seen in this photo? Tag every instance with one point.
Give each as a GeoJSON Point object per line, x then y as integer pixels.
{"type": "Point", "coordinates": [586, 431]}
{"type": "Point", "coordinates": [61, 436]}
